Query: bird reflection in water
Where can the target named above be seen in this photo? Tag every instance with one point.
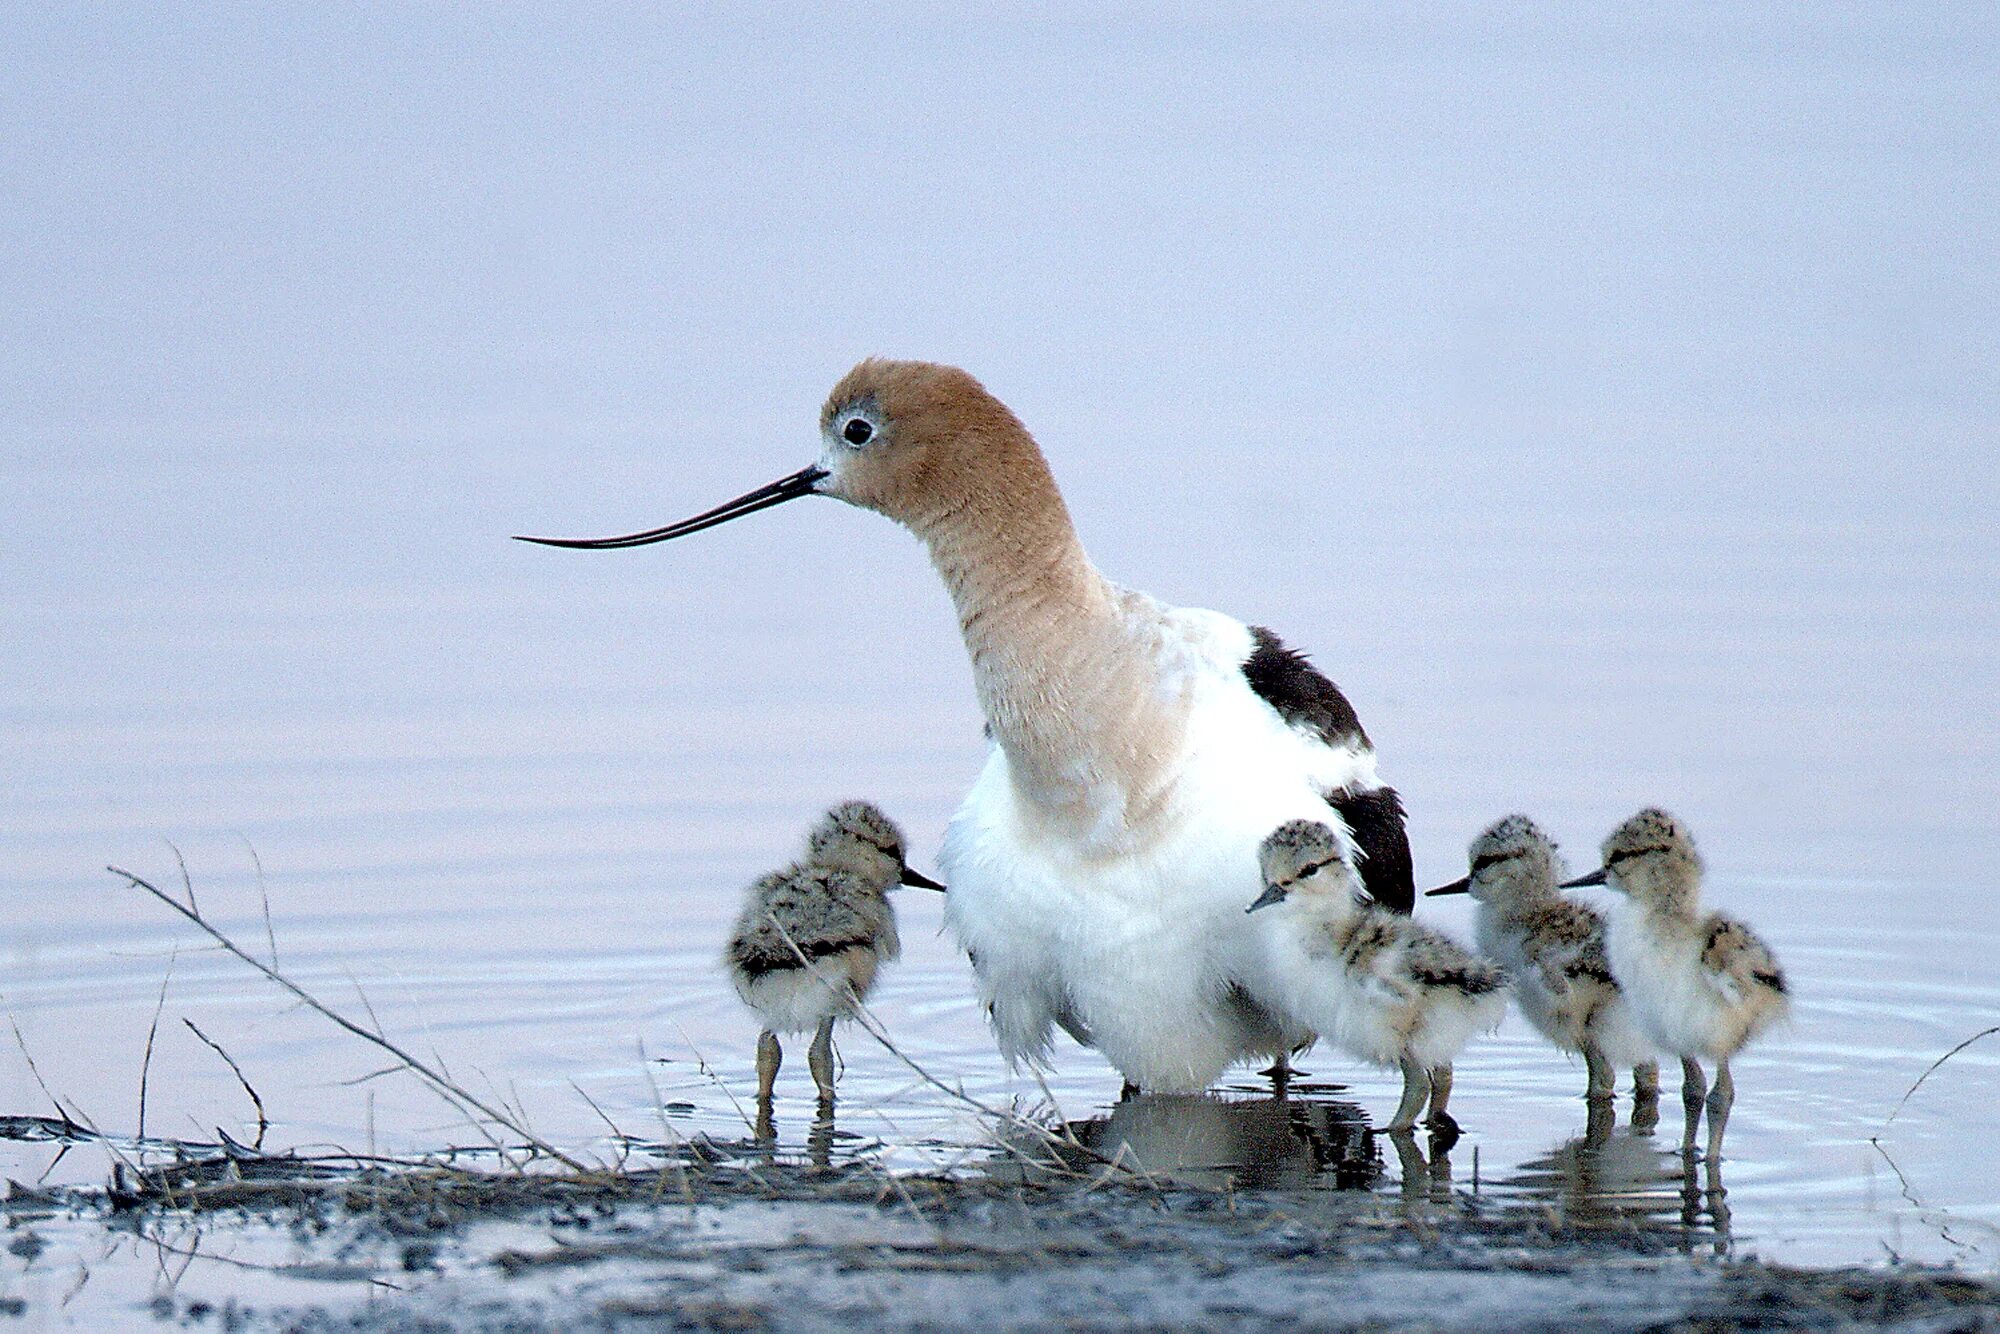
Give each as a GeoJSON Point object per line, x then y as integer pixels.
{"type": "Point", "coordinates": [821, 1138]}
{"type": "Point", "coordinates": [1224, 1142]}
{"type": "Point", "coordinates": [1613, 1178]}
{"type": "Point", "coordinates": [1426, 1181]}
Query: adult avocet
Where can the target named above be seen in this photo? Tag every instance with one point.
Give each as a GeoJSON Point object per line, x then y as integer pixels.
{"type": "Point", "coordinates": [1140, 752]}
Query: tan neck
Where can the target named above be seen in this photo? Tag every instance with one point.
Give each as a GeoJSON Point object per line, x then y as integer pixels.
{"type": "Point", "coordinates": [1057, 660]}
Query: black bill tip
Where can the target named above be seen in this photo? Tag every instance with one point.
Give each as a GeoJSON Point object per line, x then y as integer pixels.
{"type": "Point", "coordinates": [916, 879]}
{"type": "Point", "coordinates": [1272, 894]}
{"type": "Point", "coordinates": [1594, 878]}
{"type": "Point", "coordinates": [804, 482]}
{"type": "Point", "coordinates": [1455, 887]}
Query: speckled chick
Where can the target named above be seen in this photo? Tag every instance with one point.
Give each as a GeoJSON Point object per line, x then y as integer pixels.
{"type": "Point", "coordinates": [1553, 947]}
{"type": "Point", "coordinates": [1700, 985]}
{"type": "Point", "coordinates": [1375, 983]}
{"type": "Point", "coordinates": [811, 937]}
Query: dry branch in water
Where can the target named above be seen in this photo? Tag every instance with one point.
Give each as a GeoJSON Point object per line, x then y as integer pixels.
{"type": "Point", "coordinates": [62, 1112]}
{"type": "Point", "coordinates": [435, 1079]}
{"type": "Point", "coordinates": [263, 1124]}
{"type": "Point", "coordinates": [152, 1031]}
{"type": "Point", "coordinates": [1932, 1069]}
{"type": "Point", "coordinates": [433, 1074]}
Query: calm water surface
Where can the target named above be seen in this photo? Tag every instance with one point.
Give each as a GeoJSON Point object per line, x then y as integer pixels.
{"type": "Point", "coordinates": [525, 853]}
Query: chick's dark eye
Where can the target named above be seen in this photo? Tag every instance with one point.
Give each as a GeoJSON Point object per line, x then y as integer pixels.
{"type": "Point", "coordinates": [857, 431]}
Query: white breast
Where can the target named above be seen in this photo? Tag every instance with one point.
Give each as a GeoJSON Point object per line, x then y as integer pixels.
{"type": "Point", "coordinates": [1669, 994]}
{"type": "Point", "coordinates": [1135, 931]}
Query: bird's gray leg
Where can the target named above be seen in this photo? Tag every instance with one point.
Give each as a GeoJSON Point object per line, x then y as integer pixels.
{"type": "Point", "coordinates": [1693, 1086]}
{"type": "Point", "coordinates": [1603, 1079]}
{"type": "Point", "coordinates": [820, 1059]}
{"type": "Point", "coordinates": [1719, 1100]}
{"type": "Point", "coordinates": [769, 1058]}
{"type": "Point", "coordinates": [1440, 1119]}
{"type": "Point", "coordinates": [1416, 1087]}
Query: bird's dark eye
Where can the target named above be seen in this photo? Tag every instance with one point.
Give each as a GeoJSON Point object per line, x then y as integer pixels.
{"type": "Point", "coordinates": [857, 431]}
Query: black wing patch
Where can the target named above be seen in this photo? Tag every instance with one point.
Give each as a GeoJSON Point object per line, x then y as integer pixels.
{"type": "Point", "coordinates": [1474, 978]}
{"type": "Point", "coordinates": [756, 957]}
{"type": "Point", "coordinates": [1592, 967]}
{"type": "Point", "coordinates": [1375, 820]}
{"type": "Point", "coordinates": [1300, 692]}
{"type": "Point", "coordinates": [1303, 697]}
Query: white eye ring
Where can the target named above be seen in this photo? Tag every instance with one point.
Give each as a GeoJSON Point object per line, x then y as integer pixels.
{"type": "Point", "coordinates": [857, 431]}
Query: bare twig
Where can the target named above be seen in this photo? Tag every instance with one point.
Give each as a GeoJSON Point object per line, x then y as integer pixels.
{"type": "Point", "coordinates": [623, 1140]}
{"type": "Point", "coordinates": [264, 894]}
{"type": "Point", "coordinates": [82, 1277]}
{"type": "Point", "coordinates": [416, 1003]}
{"type": "Point", "coordinates": [152, 1030]}
{"type": "Point", "coordinates": [366, 1004]}
{"type": "Point", "coordinates": [1941, 1219]}
{"type": "Point", "coordinates": [903, 1193]}
{"type": "Point", "coordinates": [161, 1250]}
{"type": "Point", "coordinates": [701, 1064]}
{"type": "Point", "coordinates": [196, 1253]}
{"type": "Point", "coordinates": [187, 881]}
{"type": "Point", "coordinates": [667, 1131]}
{"type": "Point", "coordinates": [1908, 1093]}
{"type": "Point", "coordinates": [48, 1171]}
{"type": "Point", "coordinates": [68, 1121]}
{"type": "Point", "coordinates": [371, 1076]}
{"type": "Point", "coordinates": [263, 1123]}
{"type": "Point", "coordinates": [74, 1118]}
{"type": "Point", "coordinates": [1067, 1133]}
{"type": "Point", "coordinates": [438, 1081]}
{"type": "Point", "coordinates": [669, 1135]}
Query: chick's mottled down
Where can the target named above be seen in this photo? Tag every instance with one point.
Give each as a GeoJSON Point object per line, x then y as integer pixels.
{"type": "Point", "coordinates": [1701, 985]}
{"type": "Point", "coordinates": [839, 922]}
{"type": "Point", "coordinates": [1554, 948]}
{"type": "Point", "coordinates": [811, 938]}
{"type": "Point", "coordinates": [1376, 983]}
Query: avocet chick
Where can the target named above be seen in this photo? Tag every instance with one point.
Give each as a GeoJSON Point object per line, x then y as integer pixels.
{"type": "Point", "coordinates": [811, 937]}
{"type": "Point", "coordinates": [1553, 948]}
{"type": "Point", "coordinates": [1701, 986]}
{"type": "Point", "coordinates": [1383, 987]}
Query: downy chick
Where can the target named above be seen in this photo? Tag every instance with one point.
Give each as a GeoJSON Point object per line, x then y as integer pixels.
{"type": "Point", "coordinates": [1700, 985]}
{"type": "Point", "coordinates": [1377, 984]}
{"type": "Point", "coordinates": [1553, 948]}
{"type": "Point", "coordinates": [811, 938]}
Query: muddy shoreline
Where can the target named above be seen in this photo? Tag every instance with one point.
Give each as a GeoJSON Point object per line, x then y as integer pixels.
{"type": "Point", "coordinates": [724, 1243]}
